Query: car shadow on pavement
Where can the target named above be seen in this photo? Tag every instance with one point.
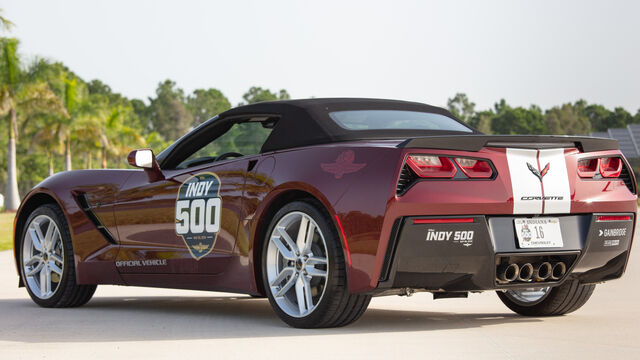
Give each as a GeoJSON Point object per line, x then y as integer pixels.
{"type": "Point", "coordinates": [107, 319]}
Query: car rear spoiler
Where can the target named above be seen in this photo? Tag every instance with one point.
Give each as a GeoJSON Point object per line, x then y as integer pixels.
{"type": "Point", "coordinates": [477, 142]}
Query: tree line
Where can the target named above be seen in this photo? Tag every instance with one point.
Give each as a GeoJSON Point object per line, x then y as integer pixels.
{"type": "Point", "coordinates": [577, 118]}
{"type": "Point", "coordinates": [56, 121]}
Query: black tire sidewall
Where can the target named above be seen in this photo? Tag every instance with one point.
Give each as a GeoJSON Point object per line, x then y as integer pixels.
{"type": "Point", "coordinates": [522, 304]}
{"type": "Point", "coordinates": [559, 300]}
{"type": "Point", "coordinates": [68, 272]}
{"type": "Point", "coordinates": [335, 268]}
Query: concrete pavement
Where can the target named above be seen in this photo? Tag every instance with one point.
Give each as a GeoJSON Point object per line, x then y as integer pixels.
{"type": "Point", "coordinates": [122, 322]}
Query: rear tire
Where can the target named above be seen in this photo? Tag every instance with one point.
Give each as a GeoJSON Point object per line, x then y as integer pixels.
{"type": "Point", "coordinates": [48, 268]}
{"type": "Point", "coordinates": [316, 269]}
{"type": "Point", "coordinates": [558, 300]}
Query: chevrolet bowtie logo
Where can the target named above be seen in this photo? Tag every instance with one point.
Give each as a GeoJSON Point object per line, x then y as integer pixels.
{"type": "Point", "coordinates": [539, 174]}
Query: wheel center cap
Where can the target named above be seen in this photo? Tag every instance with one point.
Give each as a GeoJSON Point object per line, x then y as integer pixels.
{"type": "Point", "coordinates": [45, 257]}
{"type": "Point", "coordinates": [299, 264]}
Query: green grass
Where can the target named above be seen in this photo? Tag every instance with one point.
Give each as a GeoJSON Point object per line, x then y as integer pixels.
{"type": "Point", "coordinates": [6, 230]}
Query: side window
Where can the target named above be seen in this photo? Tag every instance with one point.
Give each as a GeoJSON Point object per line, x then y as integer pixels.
{"type": "Point", "coordinates": [242, 139]}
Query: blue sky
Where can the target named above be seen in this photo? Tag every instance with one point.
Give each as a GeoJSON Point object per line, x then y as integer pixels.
{"type": "Point", "coordinates": [540, 52]}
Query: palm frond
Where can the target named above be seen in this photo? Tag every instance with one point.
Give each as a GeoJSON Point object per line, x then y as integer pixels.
{"type": "Point", "coordinates": [5, 24]}
{"type": "Point", "coordinates": [71, 96]}
{"type": "Point", "coordinates": [35, 98]}
{"type": "Point", "coordinates": [9, 63]}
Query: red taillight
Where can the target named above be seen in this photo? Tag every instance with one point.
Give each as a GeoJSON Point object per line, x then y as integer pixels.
{"type": "Point", "coordinates": [614, 218]}
{"type": "Point", "coordinates": [587, 168]}
{"type": "Point", "coordinates": [431, 166]}
{"type": "Point", "coordinates": [610, 167]}
{"type": "Point", "coordinates": [474, 168]}
{"type": "Point", "coordinates": [443, 221]}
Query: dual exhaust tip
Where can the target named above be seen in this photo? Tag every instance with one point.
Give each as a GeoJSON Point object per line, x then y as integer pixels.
{"type": "Point", "coordinates": [527, 272]}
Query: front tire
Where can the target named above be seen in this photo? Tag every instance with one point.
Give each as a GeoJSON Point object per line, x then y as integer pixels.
{"type": "Point", "coordinates": [47, 267]}
{"type": "Point", "coordinates": [304, 272]}
{"type": "Point", "coordinates": [554, 301]}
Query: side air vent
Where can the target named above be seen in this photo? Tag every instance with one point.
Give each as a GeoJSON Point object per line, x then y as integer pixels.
{"type": "Point", "coordinates": [407, 178]}
{"type": "Point", "coordinates": [83, 201]}
{"type": "Point", "coordinates": [625, 175]}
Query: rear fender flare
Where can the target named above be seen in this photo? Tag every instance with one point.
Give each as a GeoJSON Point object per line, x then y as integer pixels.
{"type": "Point", "coordinates": [283, 194]}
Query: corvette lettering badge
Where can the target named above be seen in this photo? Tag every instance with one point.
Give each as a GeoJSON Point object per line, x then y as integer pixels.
{"type": "Point", "coordinates": [538, 174]}
{"type": "Point", "coordinates": [198, 210]}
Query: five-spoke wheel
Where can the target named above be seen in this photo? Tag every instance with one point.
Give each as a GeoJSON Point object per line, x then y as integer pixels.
{"type": "Point", "coordinates": [303, 269]}
{"type": "Point", "coordinates": [42, 256]}
{"type": "Point", "coordinates": [46, 255]}
{"type": "Point", "coordinates": [297, 270]}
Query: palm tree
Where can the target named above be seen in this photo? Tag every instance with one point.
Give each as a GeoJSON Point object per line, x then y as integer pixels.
{"type": "Point", "coordinates": [18, 93]}
{"type": "Point", "coordinates": [121, 139]}
{"type": "Point", "coordinates": [48, 139]}
{"type": "Point", "coordinates": [71, 102]}
{"type": "Point", "coordinates": [84, 129]}
{"type": "Point", "coordinates": [88, 130]}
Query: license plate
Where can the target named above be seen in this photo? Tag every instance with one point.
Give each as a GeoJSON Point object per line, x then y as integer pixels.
{"type": "Point", "coordinates": [538, 233]}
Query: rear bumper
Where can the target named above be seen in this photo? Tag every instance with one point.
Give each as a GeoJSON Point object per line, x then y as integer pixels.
{"type": "Point", "coordinates": [464, 256]}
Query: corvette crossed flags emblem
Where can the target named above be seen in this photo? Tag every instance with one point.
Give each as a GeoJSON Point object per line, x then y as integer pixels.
{"type": "Point", "coordinates": [538, 174]}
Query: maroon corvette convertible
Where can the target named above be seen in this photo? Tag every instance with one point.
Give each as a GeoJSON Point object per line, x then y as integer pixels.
{"type": "Point", "coordinates": [321, 204]}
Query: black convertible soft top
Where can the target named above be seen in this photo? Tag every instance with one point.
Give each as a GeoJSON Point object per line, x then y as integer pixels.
{"type": "Point", "coordinates": [299, 123]}
{"type": "Point", "coordinates": [307, 122]}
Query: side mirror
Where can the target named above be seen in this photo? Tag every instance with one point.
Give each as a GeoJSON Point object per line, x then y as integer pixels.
{"type": "Point", "coordinates": [141, 158]}
{"type": "Point", "coordinates": [144, 158]}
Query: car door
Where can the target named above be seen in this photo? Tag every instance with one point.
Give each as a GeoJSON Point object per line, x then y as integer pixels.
{"type": "Point", "coordinates": [187, 221]}
{"type": "Point", "coordinates": [150, 238]}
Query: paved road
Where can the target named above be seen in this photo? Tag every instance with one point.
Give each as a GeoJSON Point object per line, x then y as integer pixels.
{"type": "Point", "coordinates": [175, 324]}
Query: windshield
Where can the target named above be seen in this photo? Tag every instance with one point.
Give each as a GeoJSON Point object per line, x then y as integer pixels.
{"type": "Point", "coordinates": [395, 119]}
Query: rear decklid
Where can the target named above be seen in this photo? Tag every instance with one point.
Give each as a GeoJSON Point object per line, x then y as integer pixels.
{"type": "Point", "coordinates": [535, 174]}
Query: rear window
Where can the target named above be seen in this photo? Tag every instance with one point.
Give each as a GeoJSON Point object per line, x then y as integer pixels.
{"type": "Point", "coordinates": [395, 119]}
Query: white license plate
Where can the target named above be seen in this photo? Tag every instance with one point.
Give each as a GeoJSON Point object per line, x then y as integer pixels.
{"type": "Point", "coordinates": [538, 233]}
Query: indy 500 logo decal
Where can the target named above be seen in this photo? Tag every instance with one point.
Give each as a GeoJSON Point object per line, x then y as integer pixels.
{"type": "Point", "coordinates": [464, 238]}
{"type": "Point", "coordinates": [198, 210]}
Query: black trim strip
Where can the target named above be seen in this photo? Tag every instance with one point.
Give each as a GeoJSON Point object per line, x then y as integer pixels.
{"type": "Point", "coordinates": [391, 249]}
{"type": "Point", "coordinates": [87, 209]}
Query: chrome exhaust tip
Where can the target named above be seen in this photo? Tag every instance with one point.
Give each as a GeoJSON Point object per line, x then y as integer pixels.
{"type": "Point", "coordinates": [526, 272]}
{"type": "Point", "coordinates": [508, 273]}
{"type": "Point", "coordinates": [558, 271]}
{"type": "Point", "coordinates": [542, 271]}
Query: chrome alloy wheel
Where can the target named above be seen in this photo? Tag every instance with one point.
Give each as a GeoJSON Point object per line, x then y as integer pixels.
{"type": "Point", "coordinates": [528, 297]}
{"type": "Point", "coordinates": [297, 270]}
{"type": "Point", "coordinates": [42, 257]}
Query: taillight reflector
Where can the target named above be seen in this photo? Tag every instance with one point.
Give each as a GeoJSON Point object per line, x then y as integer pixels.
{"type": "Point", "coordinates": [610, 167]}
{"type": "Point", "coordinates": [587, 168]}
{"type": "Point", "coordinates": [344, 237]}
{"type": "Point", "coordinates": [443, 221]}
{"type": "Point", "coordinates": [474, 168]}
{"type": "Point", "coordinates": [614, 218]}
{"type": "Point", "coordinates": [428, 166]}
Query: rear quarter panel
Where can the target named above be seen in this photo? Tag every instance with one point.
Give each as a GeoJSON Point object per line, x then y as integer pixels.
{"type": "Point", "coordinates": [358, 199]}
